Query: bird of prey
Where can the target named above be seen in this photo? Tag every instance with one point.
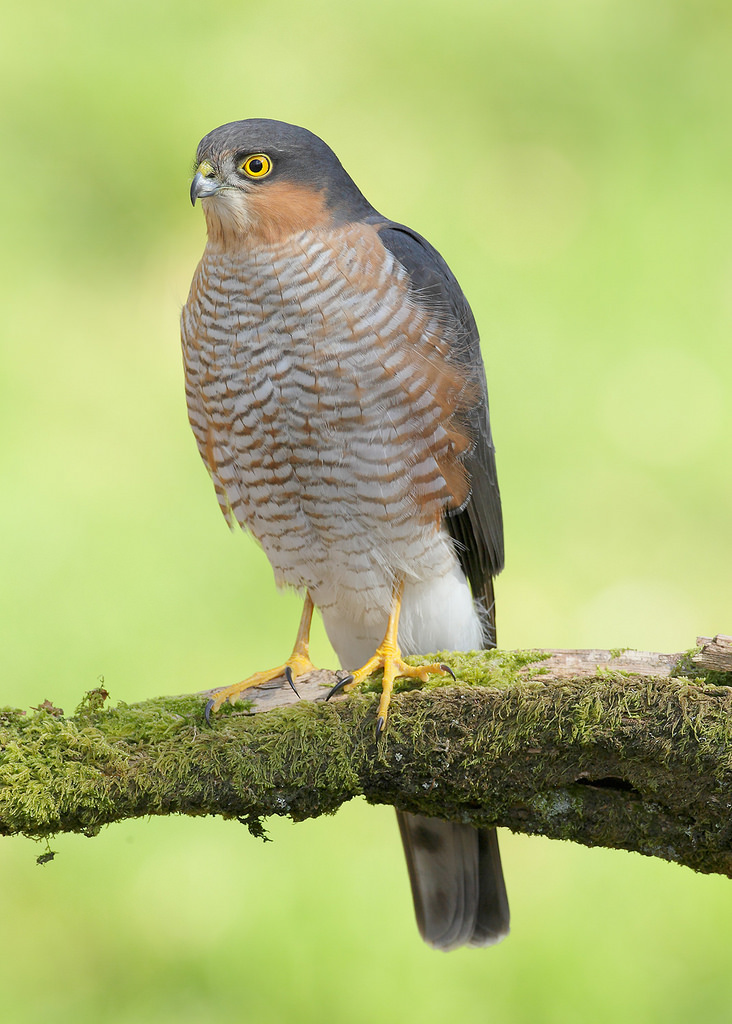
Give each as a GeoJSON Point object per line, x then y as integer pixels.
{"type": "Point", "coordinates": [337, 394]}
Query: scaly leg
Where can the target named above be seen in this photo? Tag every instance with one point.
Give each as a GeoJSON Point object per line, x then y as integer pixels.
{"type": "Point", "coordinates": [298, 664]}
{"type": "Point", "coordinates": [389, 657]}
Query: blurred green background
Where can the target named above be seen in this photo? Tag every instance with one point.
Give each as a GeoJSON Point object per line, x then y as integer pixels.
{"type": "Point", "coordinates": [573, 162]}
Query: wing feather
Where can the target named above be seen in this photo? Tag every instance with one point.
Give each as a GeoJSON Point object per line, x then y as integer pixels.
{"type": "Point", "coordinates": [477, 527]}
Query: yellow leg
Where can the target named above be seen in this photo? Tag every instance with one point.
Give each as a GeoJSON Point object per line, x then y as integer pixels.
{"type": "Point", "coordinates": [298, 664]}
{"type": "Point", "coordinates": [389, 657]}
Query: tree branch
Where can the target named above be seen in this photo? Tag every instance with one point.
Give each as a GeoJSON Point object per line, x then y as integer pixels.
{"type": "Point", "coordinates": [623, 749]}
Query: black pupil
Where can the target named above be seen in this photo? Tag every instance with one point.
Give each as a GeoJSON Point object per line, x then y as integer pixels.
{"type": "Point", "coordinates": [256, 166]}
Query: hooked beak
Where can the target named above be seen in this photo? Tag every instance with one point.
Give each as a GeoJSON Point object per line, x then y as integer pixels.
{"type": "Point", "coordinates": [205, 183]}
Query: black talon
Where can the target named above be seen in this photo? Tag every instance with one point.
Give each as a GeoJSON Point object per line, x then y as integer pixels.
{"type": "Point", "coordinates": [209, 705]}
{"type": "Point", "coordinates": [380, 723]}
{"type": "Point", "coordinates": [339, 686]}
{"type": "Point", "coordinates": [446, 668]}
{"type": "Point", "coordinates": [288, 677]}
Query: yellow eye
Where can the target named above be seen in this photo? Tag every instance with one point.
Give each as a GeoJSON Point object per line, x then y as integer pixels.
{"type": "Point", "coordinates": [256, 166]}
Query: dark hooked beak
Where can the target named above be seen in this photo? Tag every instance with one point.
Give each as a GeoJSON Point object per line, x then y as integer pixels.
{"type": "Point", "coordinates": [205, 183]}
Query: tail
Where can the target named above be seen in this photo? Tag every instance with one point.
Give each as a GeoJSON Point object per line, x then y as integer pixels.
{"type": "Point", "coordinates": [457, 882]}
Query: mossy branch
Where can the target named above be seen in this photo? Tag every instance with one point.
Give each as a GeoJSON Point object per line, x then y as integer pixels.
{"type": "Point", "coordinates": [613, 748]}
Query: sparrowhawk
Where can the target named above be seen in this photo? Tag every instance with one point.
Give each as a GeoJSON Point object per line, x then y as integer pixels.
{"type": "Point", "coordinates": [337, 394]}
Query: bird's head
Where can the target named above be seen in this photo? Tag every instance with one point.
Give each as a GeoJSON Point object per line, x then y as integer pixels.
{"type": "Point", "coordinates": [262, 179]}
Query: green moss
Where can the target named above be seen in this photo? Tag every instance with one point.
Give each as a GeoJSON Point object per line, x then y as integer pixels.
{"type": "Point", "coordinates": [473, 668]}
{"type": "Point", "coordinates": [685, 666]}
{"type": "Point", "coordinates": [718, 679]}
{"type": "Point", "coordinates": [484, 668]}
{"type": "Point", "coordinates": [93, 700]}
{"type": "Point", "coordinates": [77, 773]}
{"type": "Point", "coordinates": [620, 760]}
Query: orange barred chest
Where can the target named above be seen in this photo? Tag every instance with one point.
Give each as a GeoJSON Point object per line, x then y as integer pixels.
{"type": "Point", "coordinates": [321, 395]}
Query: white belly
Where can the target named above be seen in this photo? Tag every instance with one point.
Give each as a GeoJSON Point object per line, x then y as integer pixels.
{"type": "Point", "coordinates": [437, 615]}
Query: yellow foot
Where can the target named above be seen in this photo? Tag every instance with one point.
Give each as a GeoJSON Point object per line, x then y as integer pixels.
{"type": "Point", "coordinates": [388, 656]}
{"type": "Point", "coordinates": [298, 664]}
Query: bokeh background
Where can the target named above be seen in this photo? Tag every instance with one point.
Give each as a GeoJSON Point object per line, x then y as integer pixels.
{"type": "Point", "coordinates": [573, 162]}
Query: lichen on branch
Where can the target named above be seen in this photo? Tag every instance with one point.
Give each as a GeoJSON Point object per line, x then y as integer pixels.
{"type": "Point", "coordinates": [612, 748]}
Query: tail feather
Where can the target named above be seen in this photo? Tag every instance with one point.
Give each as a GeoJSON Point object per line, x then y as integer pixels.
{"type": "Point", "coordinates": [457, 882]}
{"type": "Point", "coordinates": [494, 917]}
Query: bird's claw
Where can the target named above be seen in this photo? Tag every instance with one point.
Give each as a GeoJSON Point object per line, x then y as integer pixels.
{"type": "Point", "coordinates": [291, 681]}
{"type": "Point", "coordinates": [346, 681]}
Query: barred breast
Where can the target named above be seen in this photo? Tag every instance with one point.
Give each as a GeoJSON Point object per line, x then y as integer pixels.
{"type": "Point", "coordinates": [323, 403]}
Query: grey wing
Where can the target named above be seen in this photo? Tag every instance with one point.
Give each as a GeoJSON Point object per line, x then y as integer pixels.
{"type": "Point", "coordinates": [477, 527]}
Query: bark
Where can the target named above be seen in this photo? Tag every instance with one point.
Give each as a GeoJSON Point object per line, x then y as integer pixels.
{"type": "Point", "coordinates": [624, 749]}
